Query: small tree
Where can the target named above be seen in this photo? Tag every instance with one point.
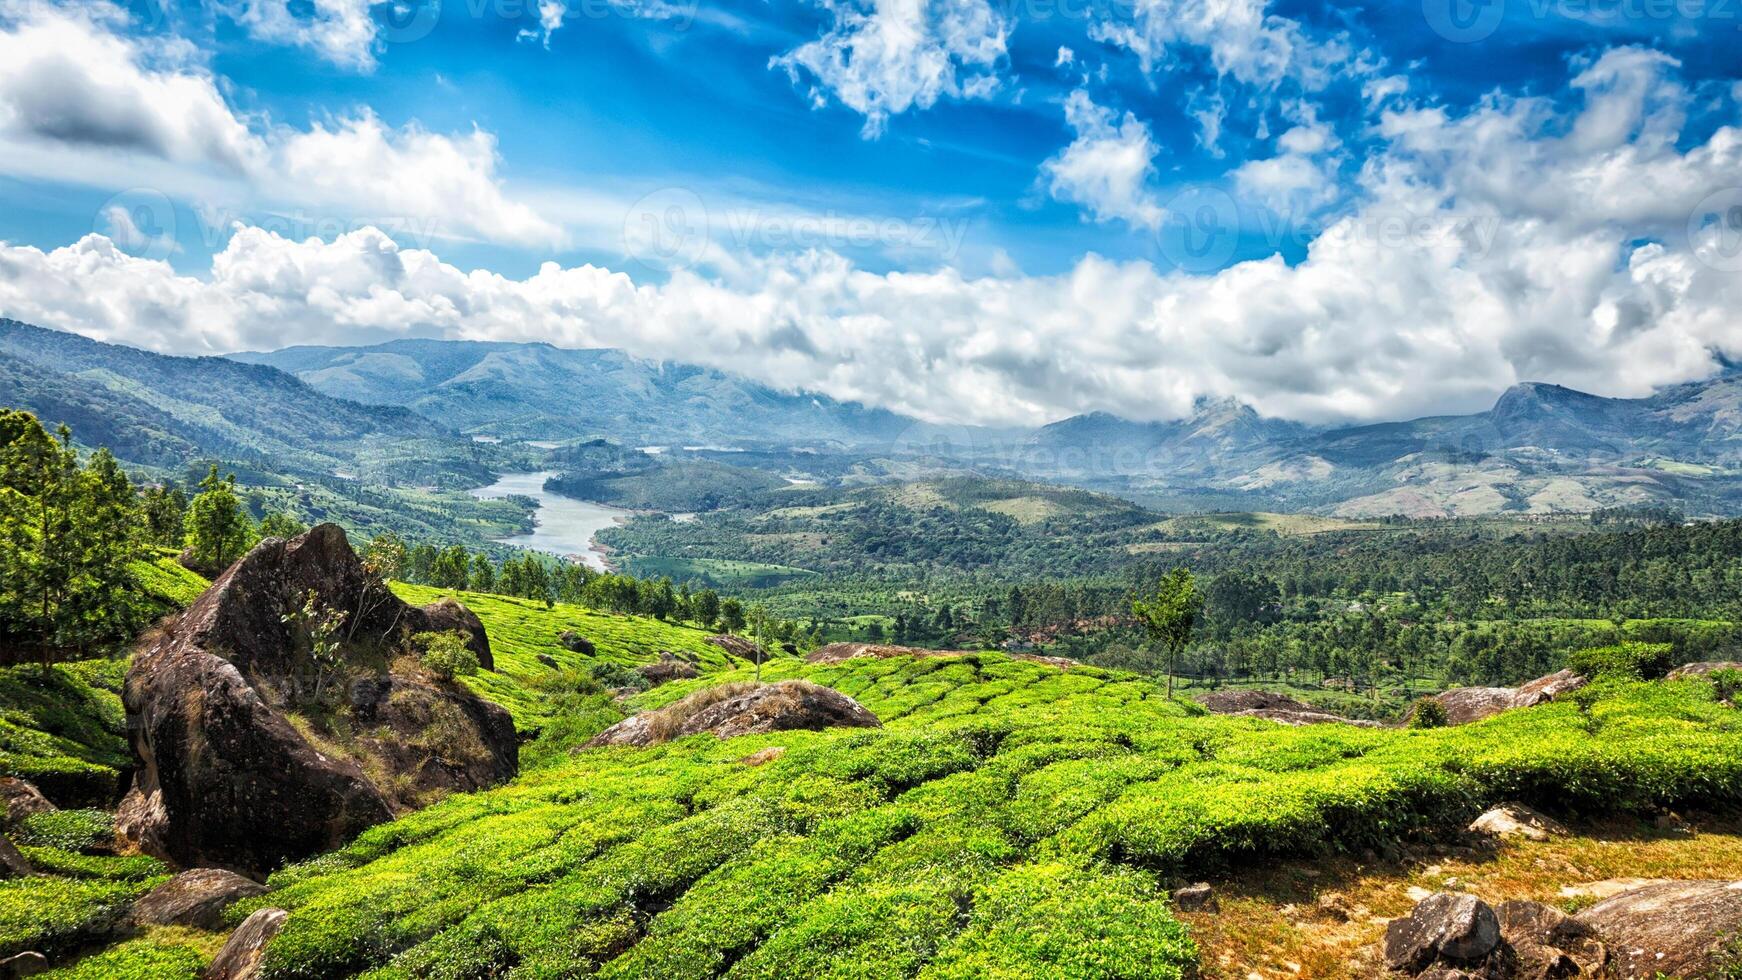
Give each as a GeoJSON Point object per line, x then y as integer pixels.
{"type": "Point", "coordinates": [218, 529]}
{"type": "Point", "coordinates": [447, 654]}
{"type": "Point", "coordinates": [1170, 615]}
{"type": "Point", "coordinates": [386, 556]}
{"type": "Point", "coordinates": [165, 511]}
{"type": "Point", "coordinates": [731, 615]}
{"type": "Point", "coordinates": [317, 627]}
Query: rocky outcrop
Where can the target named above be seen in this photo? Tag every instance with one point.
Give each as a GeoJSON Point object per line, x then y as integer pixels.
{"type": "Point", "coordinates": [12, 863]}
{"type": "Point", "coordinates": [1459, 932]}
{"type": "Point", "coordinates": [731, 710]}
{"type": "Point", "coordinates": [1468, 704]}
{"type": "Point", "coordinates": [223, 778]}
{"type": "Point", "coordinates": [1677, 929]}
{"type": "Point", "coordinates": [1515, 820]}
{"type": "Point", "coordinates": [242, 952]}
{"type": "Point", "coordinates": [668, 668]}
{"type": "Point", "coordinates": [1689, 671]}
{"type": "Point", "coordinates": [1272, 706]}
{"type": "Point", "coordinates": [576, 643]}
{"type": "Point", "coordinates": [22, 800]}
{"type": "Point", "coordinates": [836, 653]}
{"type": "Point", "coordinates": [196, 899]}
{"type": "Point", "coordinates": [1666, 929]}
{"type": "Point", "coordinates": [737, 646]}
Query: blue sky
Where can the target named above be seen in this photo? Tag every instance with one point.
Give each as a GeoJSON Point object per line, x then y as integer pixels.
{"type": "Point", "coordinates": [1108, 204]}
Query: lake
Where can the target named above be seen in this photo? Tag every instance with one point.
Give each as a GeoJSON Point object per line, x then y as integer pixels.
{"type": "Point", "coordinates": [563, 526]}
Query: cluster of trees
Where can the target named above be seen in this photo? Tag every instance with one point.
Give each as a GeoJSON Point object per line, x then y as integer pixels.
{"type": "Point", "coordinates": [71, 531]}
{"type": "Point", "coordinates": [545, 579]}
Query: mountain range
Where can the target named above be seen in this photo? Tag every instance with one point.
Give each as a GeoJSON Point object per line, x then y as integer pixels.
{"type": "Point", "coordinates": [540, 392]}
{"type": "Point", "coordinates": [427, 411]}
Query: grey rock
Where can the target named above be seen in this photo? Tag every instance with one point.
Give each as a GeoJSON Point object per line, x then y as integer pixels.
{"type": "Point", "coordinates": [1459, 929]}
{"type": "Point", "coordinates": [1677, 928]}
{"type": "Point", "coordinates": [194, 898]}
{"type": "Point", "coordinates": [1196, 898]}
{"type": "Point", "coordinates": [240, 958]}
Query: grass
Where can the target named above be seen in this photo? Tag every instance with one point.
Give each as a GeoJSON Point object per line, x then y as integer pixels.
{"type": "Point", "coordinates": [1009, 816]}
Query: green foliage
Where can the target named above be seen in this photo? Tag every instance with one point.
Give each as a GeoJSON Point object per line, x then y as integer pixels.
{"type": "Point", "coordinates": [164, 954]}
{"type": "Point", "coordinates": [1170, 614]}
{"type": "Point", "coordinates": [218, 529]}
{"type": "Point", "coordinates": [69, 537]}
{"type": "Point", "coordinates": [68, 830]}
{"type": "Point", "coordinates": [65, 731]}
{"type": "Point", "coordinates": [1428, 713]}
{"type": "Point", "coordinates": [1009, 816]}
{"type": "Point", "coordinates": [55, 915]}
{"type": "Point", "coordinates": [1624, 661]}
{"type": "Point", "coordinates": [1726, 684]}
{"type": "Point", "coordinates": [446, 654]}
{"type": "Point", "coordinates": [280, 525]}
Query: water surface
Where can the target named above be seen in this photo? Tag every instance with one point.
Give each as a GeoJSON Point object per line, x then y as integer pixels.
{"type": "Point", "coordinates": [563, 526]}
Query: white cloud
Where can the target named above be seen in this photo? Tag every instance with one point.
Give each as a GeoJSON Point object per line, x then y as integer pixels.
{"type": "Point", "coordinates": [550, 20]}
{"type": "Point", "coordinates": [1487, 247]}
{"type": "Point", "coordinates": [883, 57]}
{"type": "Point", "coordinates": [1244, 40]}
{"type": "Point", "coordinates": [1107, 168]}
{"type": "Point", "coordinates": [1065, 57]}
{"type": "Point", "coordinates": [67, 77]}
{"type": "Point", "coordinates": [1301, 179]}
{"type": "Point", "coordinates": [340, 31]}
{"type": "Point", "coordinates": [80, 100]}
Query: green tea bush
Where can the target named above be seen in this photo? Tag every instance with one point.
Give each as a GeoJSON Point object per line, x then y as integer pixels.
{"type": "Point", "coordinates": [1624, 661]}
{"type": "Point", "coordinates": [1428, 713]}
{"type": "Point", "coordinates": [67, 830]}
{"type": "Point", "coordinates": [1726, 684]}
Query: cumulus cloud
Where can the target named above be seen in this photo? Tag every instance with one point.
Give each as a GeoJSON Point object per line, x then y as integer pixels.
{"type": "Point", "coordinates": [73, 84]}
{"type": "Point", "coordinates": [1107, 168]}
{"type": "Point", "coordinates": [884, 57]}
{"type": "Point", "coordinates": [1518, 240]}
{"type": "Point", "coordinates": [340, 31]}
{"type": "Point", "coordinates": [67, 77]}
{"type": "Point", "coordinates": [1300, 180]}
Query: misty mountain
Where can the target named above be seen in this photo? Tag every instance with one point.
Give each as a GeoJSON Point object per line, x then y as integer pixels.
{"type": "Point", "coordinates": [160, 410]}
{"type": "Point", "coordinates": [536, 391]}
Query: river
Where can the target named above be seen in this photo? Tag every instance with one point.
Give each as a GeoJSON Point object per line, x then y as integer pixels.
{"type": "Point", "coordinates": [561, 526]}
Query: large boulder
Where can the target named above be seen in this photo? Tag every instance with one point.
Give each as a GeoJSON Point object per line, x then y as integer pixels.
{"type": "Point", "coordinates": [1689, 671]}
{"type": "Point", "coordinates": [737, 646]}
{"type": "Point", "coordinates": [196, 899]}
{"type": "Point", "coordinates": [1233, 702]}
{"type": "Point", "coordinates": [836, 653]}
{"type": "Point", "coordinates": [22, 800]}
{"type": "Point", "coordinates": [1677, 928]}
{"type": "Point", "coordinates": [1468, 704]}
{"type": "Point", "coordinates": [1447, 930]}
{"type": "Point", "coordinates": [666, 669]}
{"type": "Point", "coordinates": [12, 863]}
{"type": "Point", "coordinates": [576, 643]}
{"type": "Point", "coordinates": [731, 710]}
{"type": "Point", "coordinates": [223, 778]}
{"type": "Point", "coordinates": [240, 958]}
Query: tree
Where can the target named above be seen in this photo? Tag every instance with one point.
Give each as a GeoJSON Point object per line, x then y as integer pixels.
{"type": "Point", "coordinates": [451, 567]}
{"type": "Point", "coordinates": [315, 627]}
{"type": "Point", "coordinates": [731, 615]}
{"type": "Point", "coordinates": [218, 530]}
{"type": "Point", "coordinates": [104, 539]}
{"type": "Point", "coordinates": [280, 525]}
{"type": "Point", "coordinates": [483, 577]}
{"type": "Point", "coordinates": [707, 608]}
{"type": "Point", "coordinates": [165, 509]}
{"type": "Point", "coordinates": [1170, 615]}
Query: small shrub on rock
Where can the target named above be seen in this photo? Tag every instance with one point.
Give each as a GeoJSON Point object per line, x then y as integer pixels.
{"type": "Point", "coordinates": [446, 654]}
{"type": "Point", "coordinates": [1726, 685]}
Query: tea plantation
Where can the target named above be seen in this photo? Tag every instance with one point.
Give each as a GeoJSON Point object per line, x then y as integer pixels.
{"type": "Point", "coordinates": [1011, 819]}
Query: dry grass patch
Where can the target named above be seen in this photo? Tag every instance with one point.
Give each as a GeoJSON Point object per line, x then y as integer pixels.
{"type": "Point", "coordinates": [1325, 919]}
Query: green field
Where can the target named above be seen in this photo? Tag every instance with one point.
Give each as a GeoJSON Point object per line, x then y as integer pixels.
{"type": "Point", "coordinates": [1010, 816]}
{"type": "Point", "coordinates": [719, 573]}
